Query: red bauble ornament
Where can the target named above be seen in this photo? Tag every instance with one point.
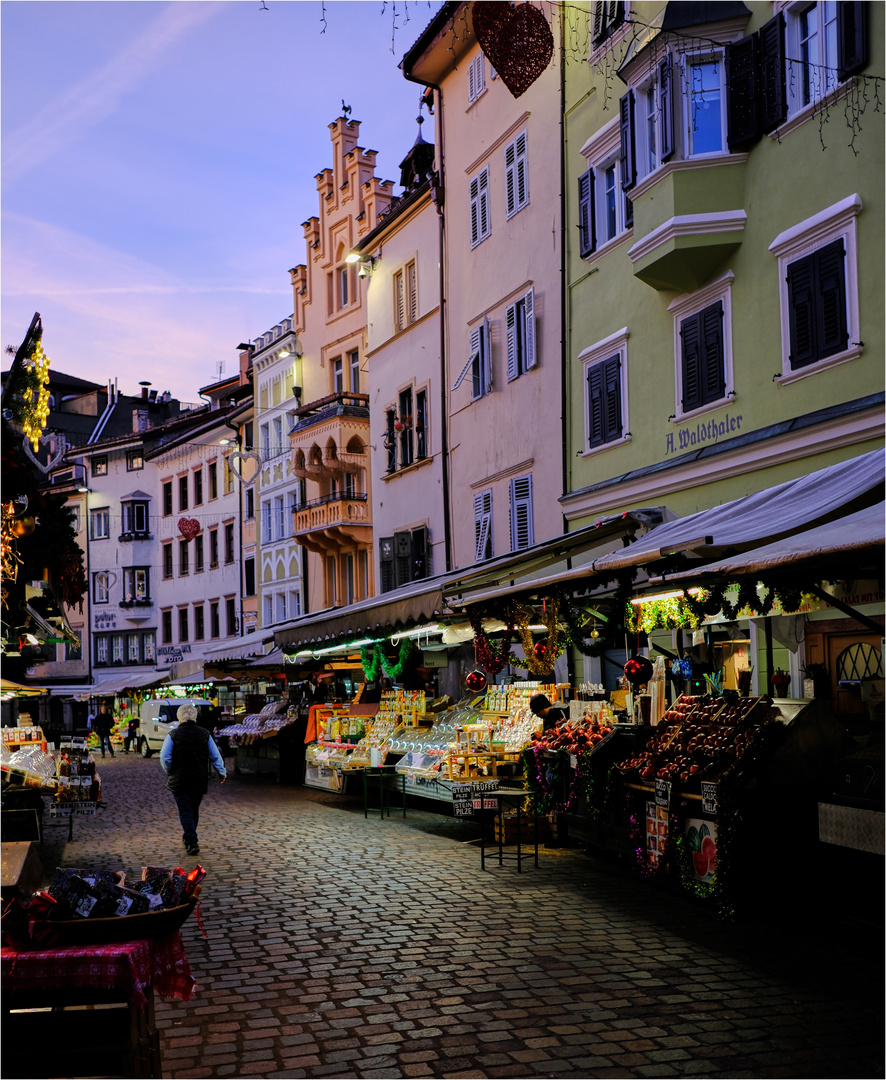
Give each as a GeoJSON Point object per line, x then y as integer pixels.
{"type": "Point", "coordinates": [638, 670]}
{"type": "Point", "coordinates": [188, 527]}
{"type": "Point", "coordinates": [517, 40]}
{"type": "Point", "coordinates": [540, 650]}
{"type": "Point", "coordinates": [475, 681]}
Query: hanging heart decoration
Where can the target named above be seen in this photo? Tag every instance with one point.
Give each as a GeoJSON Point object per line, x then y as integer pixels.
{"type": "Point", "coordinates": [188, 527]}
{"type": "Point", "coordinates": [54, 460]}
{"type": "Point", "coordinates": [517, 41]}
{"type": "Point", "coordinates": [244, 456]}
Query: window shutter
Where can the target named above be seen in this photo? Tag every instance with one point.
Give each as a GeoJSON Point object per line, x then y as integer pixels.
{"type": "Point", "coordinates": [691, 342]}
{"type": "Point", "coordinates": [399, 300]}
{"type": "Point", "coordinates": [852, 38]}
{"type": "Point", "coordinates": [666, 107]}
{"type": "Point", "coordinates": [628, 155]}
{"type": "Point", "coordinates": [483, 525]}
{"type": "Point", "coordinates": [522, 171]}
{"type": "Point", "coordinates": [774, 107]}
{"type": "Point", "coordinates": [587, 240]}
{"type": "Point", "coordinates": [529, 311]}
{"type": "Point", "coordinates": [596, 429]}
{"type": "Point", "coordinates": [599, 21]}
{"type": "Point", "coordinates": [801, 311]}
{"type": "Point", "coordinates": [486, 356]}
{"type": "Point", "coordinates": [419, 553]}
{"type": "Point", "coordinates": [475, 210]}
{"type": "Point", "coordinates": [831, 331]}
{"type": "Point", "coordinates": [402, 558]}
{"type": "Point", "coordinates": [475, 363]}
{"type": "Point", "coordinates": [612, 426]}
{"type": "Point", "coordinates": [742, 121]}
{"type": "Point", "coordinates": [412, 292]}
{"type": "Point", "coordinates": [521, 513]}
{"type": "Point", "coordinates": [483, 200]}
{"type": "Point", "coordinates": [386, 562]}
{"type": "Point", "coordinates": [510, 181]}
{"type": "Point", "coordinates": [629, 213]}
{"type": "Point", "coordinates": [511, 337]}
{"type": "Point", "coordinates": [713, 366]}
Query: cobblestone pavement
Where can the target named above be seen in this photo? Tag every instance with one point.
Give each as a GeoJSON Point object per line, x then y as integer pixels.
{"type": "Point", "coordinates": [345, 947]}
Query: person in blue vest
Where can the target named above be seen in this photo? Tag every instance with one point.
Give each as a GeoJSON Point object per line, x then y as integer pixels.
{"type": "Point", "coordinates": [187, 752]}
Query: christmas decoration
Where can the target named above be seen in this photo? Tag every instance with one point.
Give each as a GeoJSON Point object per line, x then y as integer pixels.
{"type": "Point", "coordinates": [475, 681]}
{"type": "Point", "coordinates": [523, 619]}
{"type": "Point", "coordinates": [372, 659]}
{"type": "Point", "coordinates": [638, 670]}
{"type": "Point", "coordinates": [491, 657]}
{"type": "Point", "coordinates": [516, 40]}
{"type": "Point", "coordinates": [188, 527]}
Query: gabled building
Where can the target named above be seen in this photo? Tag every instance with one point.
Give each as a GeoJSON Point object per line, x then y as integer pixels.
{"type": "Point", "coordinates": [498, 159]}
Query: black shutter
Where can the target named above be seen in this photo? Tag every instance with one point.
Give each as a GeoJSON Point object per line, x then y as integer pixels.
{"type": "Point", "coordinates": [713, 375]}
{"type": "Point", "coordinates": [852, 38]}
{"type": "Point", "coordinates": [629, 213]}
{"type": "Point", "coordinates": [774, 105]}
{"type": "Point", "coordinates": [419, 553]}
{"type": "Point", "coordinates": [402, 558]}
{"type": "Point", "coordinates": [386, 562]}
{"type": "Point", "coordinates": [742, 117]}
{"type": "Point", "coordinates": [830, 322]}
{"type": "Point", "coordinates": [690, 336]}
{"type": "Point", "coordinates": [612, 391]}
{"type": "Point", "coordinates": [596, 411]}
{"type": "Point", "coordinates": [628, 156]}
{"type": "Point", "coordinates": [801, 311]}
{"type": "Point", "coordinates": [587, 241]}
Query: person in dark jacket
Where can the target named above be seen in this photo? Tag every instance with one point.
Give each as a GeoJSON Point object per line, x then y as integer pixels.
{"type": "Point", "coordinates": [104, 724]}
{"type": "Point", "coordinates": [551, 715]}
{"type": "Point", "coordinates": [186, 754]}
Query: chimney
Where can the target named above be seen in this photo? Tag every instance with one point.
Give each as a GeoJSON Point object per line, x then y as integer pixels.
{"type": "Point", "coordinates": [144, 385]}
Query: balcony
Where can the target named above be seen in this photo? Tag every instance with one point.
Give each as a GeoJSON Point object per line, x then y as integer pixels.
{"type": "Point", "coordinates": [334, 522]}
{"type": "Point", "coordinates": [688, 220]}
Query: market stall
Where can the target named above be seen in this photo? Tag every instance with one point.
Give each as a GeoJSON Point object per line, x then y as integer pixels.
{"type": "Point", "coordinates": [265, 742]}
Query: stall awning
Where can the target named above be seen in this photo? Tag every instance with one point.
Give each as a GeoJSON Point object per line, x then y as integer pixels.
{"type": "Point", "coordinates": [511, 574]}
{"type": "Point", "coordinates": [859, 535]}
{"type": "Point", "coordinates": [375, 617]}
{"type": "Point", "coordinates": [133, 681]}
{"type": "Point", "coordinates": [244, 648]}
{"type": "Point", "coordinates": [14, 689]}
{"type": "Point", "coordinates": [765, 516]}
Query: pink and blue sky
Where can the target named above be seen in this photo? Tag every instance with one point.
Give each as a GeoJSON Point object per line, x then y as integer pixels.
{"type": "Point", "coordinates": [158, 160]}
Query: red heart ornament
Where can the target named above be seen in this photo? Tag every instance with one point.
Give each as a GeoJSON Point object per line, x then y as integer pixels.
{"type": "Point", "coordinates": [516, 40]}
{"type": "Point", "coordinates": [188, 527]}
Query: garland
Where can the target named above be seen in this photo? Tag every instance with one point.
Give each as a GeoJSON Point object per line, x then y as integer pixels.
{"type": "Point", "coordinates": [574, 634]}
{"type": "Point", "coordinates": [543, 664]}
{"type": "Point", "coordinates": [34, 407]}
{"type": "Point", "coordinates": [544, 783]}
{"type": "Point", "coordinates": [372, 658]}
{"type": "Point", "coordinates": [491, 657]}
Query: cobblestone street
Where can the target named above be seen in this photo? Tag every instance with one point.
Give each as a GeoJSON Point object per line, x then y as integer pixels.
{"type": "Point", "coordinates": [340, 946]}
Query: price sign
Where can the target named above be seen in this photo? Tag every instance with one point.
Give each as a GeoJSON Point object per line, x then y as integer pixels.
{"type": "Point", "coordinates": [663, 792]}
{"type": "Point", "coordinates": [462, 800]}
{"type": "Point", "coordinates": [709, 796]}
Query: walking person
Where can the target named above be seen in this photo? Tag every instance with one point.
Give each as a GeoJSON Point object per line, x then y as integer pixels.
{"type": "Point", "coordinates": [131, 740]}
{"type": "Point", "coordinates": [103, 725]}
{"type": "Point", "coordinates": [187, 752]}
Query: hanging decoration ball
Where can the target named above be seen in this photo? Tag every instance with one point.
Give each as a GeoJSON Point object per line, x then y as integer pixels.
{"type": "Point", "coordinates": [517, 41]}
{"type": "Point", "coordinates": [638, 670]}
{"type": "Point", "coordinates": [475, 681]}
{"type": "Point", "coordinates": [23, 526]}
{"type": "Point", "coordinates": [540, 650]}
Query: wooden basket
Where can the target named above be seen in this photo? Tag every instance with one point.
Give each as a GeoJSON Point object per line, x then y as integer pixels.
{"type": "Point", "coordinates": [148, 924]}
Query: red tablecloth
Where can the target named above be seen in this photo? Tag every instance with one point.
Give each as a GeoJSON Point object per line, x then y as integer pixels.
{"type": "Point", "coordinates": [130, 966]}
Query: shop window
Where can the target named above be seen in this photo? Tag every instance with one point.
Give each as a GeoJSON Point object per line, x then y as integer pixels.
{"type": "Point", "coordinates": [520, 335]}
{"type": "Point", "coordinates": [483, 546]}
{"type": "Point", "coordinates": [522, 527]}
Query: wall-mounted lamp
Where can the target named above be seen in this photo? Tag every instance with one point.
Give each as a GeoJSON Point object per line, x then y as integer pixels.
{"type": "Point", "coordinates": [224, 442]}
{"type": "Point", "coordinates": [367, 262]}
{"type": "Point", "coordinates": [296, 393]}
{"type": "Point", "coordinates": [294, 351]}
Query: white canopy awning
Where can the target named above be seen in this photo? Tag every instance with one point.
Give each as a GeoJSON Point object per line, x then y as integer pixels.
{"type": "Point", "coordinates": [764, 516]}
{"type": "Point", "coordinates": [134, 680]}
{"type": "Point", "coordinates": [847, 537]}
{"type": "Point", "coordinates": [244, 648]}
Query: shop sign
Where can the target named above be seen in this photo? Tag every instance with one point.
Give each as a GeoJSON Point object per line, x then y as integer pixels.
{"type": "Point", "coordinates": [709, 796]}
{"type": "Point", "coordinates": [711, 431]}
{"type": "Point", "coordinates": [173, 653]}
{"type": "Point", "coordinates": [662, 793]}
{"type": "Point", "coordinates": [105, 620]}
{"type": "Point", "coordinates": [470, 797]}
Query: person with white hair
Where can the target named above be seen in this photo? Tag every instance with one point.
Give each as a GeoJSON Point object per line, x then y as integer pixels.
{"type": "Point", "coordinates": [186, 754]}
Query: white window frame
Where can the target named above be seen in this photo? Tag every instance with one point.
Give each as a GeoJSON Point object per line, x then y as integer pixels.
{"type": "Point", "coordinates": [101, 587]}
{"type": "Point", "coordinates": [268, 608]}
{"type": "Point", "coordinates": [517, 174]}
{"type": "Point", "coordinates": [483, 526]}
{"type": "Point", "coordinates": [480, 362]}
{"type": "Point", "coordinates": [826, 79]}
{"type": "Point", "coordinates": [476, 78]}
{"type": "Point", "coordinates": [132, 511]}
{"type": "Point", "coordinates": [102, 514]}
{"type": "Point", "coordinates": [101, 649]}
{"type": "Point", "coordinates": [687, 61]}
{"type": "Point", "coordinates": [599, 353]}
{"type": "Point", "coordinates": [802, 239]}
{"type": "Point", "coordinates": [520, 335]}
{"type": "Point", "coordinates": [480, 210]}
{"type": "Point", "coordinates": [600, 151]}
{"type": "Point", "coordinates": [690, 304]}
{"type": "Point", "coordinates": [520, 499]}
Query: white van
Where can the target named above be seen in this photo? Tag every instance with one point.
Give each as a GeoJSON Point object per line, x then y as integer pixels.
{"type": "Point", "coordinates": [157, 718]}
